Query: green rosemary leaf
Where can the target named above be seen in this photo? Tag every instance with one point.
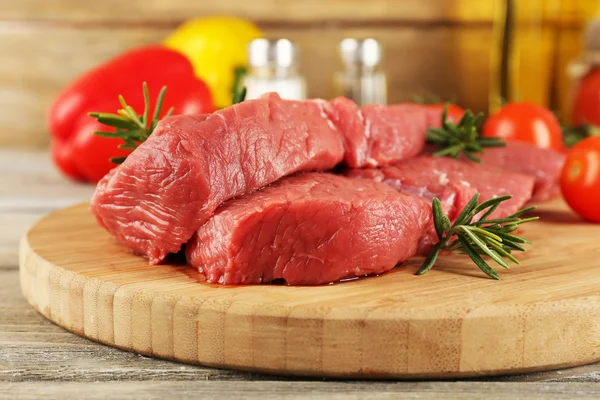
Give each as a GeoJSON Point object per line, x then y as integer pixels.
{"type": "Point", "coordinates": [507, 237]}
{"type": "Point", "coordinates": [522, 221]}
{"type": "Point", "coordinates": [146, 104]}
{"type": "Point", "coordinates": [452, 150]}
{"type": "Point", "coordinates": [478, 120]}
{"type": "Point", "coordinates": [438, 132]}
{"type": "Point", "coordinates": [238, 78]}
{"type": "Point", "coordinates": [501, 250]}
{"type": "Point", "coordinates": [126, 146]}
{"type": "Point", "coordinates": [438, 215]}
{"type": "Point", "coordinates": [114, 135]}
{"type": "Point", "coordinates": [159, 103]}
{"type": "Point", "coordinates": [132, 128]}
{"type": "Point", "coordinates": [454, 132]}
{"type": "Point", "coordinates": [488, 203]}
{"type": "Point", "coordinates": [118, 160]}
{"type": "Point", "coordinates": [522, 211]}
{"type": "Point", "coordinates": [496, 221]}
{"type": "Point", "coordinates": [472, 157]}
{"type": "Point", "coordinates": [496, 143]}
{"type": "Point", "coordinates": [240, 96]}
{"type": "Point", "coordinates": [489, 211]}
{"type": "Point", "coordinates": [134, 117]}
{"type": "Point", "coordinates": [430, 260]}
{"type": "Point", "coordinates": [481, 244]}
{"type": "Point", "coordinates": [463, 121]}
{"type": "Point", "coordinates": [484, 232]}
{"type": "Point", "coordinates": [509, 246]}
{"type": "Point", "coordinates": [510, 228]}
{"type": "Point", "coordinates": [493, 144]}
{"type": "Point", "coordinates": [477, 258]}
{"type": "Point", "coordinates": [436, 141]}
{"type": "Point", "coordinates": [460, 220]}
{"type": "Point", "coordinates": [446, 224]}
{"type": "Point", "coordinates": [474, 147]}
{"type": "Point", "coordinates": [114, 120]}
{"type": "Point", "coordinates": [484, 237]}
{"type": "Point", "coordinates": [464, 137]}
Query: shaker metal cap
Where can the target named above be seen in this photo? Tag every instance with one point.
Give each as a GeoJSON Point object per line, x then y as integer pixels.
{"type": "Point", "coordinates": [367, 52]}
{"type": "Point", "coordinates": [272, 53]}
{"type": "Point", "coordinates": [592, 36]}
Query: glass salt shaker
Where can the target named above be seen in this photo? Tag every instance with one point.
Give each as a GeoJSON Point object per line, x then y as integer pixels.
{"type": "Point", "coordinates": [273, 68]}
{"type": "Point", "coordinates": [361, 79]}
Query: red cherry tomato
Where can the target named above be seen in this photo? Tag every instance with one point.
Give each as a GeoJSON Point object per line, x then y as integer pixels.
{"type": "Point", "coordinates": [580, 179]}
{"type": "Point", "coordinates": [526, 122]}
{"type": "Point", "coordinates": [586, 100]}
{"type": "Point", "coordinates": [455, 113]}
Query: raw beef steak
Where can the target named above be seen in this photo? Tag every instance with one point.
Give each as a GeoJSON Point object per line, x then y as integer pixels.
{"type": "Point", "coordinates": [543, 164]}
{"type": "Point", "coordinates": [454, 183]}
{"type": "Point", "coordinates": [169, 186]}
{"type": "Point", "coordinates": [309, 229]}
{"type": "Point", "coordinates": [378, 135]}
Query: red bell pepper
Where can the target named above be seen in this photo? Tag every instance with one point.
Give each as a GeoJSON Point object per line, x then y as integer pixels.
{"type": "Point", "coordinates": [80, 154]}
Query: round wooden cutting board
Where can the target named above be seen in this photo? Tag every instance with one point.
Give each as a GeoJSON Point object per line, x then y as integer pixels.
{"type": "Point", "coordinates": [451, 322]}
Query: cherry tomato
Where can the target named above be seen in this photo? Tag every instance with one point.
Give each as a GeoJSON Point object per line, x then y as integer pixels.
{"type": "Point", "coordinates": [586, 100]}
{"type": "Point", "coordinates": [526, 122]}
{"type": "Point", "coordinates": [580, 179]}
{"type": "Point", "coordinates": [455, 113]}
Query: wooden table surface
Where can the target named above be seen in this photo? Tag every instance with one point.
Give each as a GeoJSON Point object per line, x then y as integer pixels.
{"type": "Point", "coordinates": [39, 359]}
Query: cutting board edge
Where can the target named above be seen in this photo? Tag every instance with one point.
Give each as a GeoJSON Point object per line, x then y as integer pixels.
{"type": "Point", "coordinates": [42, 283]}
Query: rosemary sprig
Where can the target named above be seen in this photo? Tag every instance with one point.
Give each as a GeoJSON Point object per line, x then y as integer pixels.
{"type": "Point", "coordinates": [462, 138]}
{"type": "Point", "coordinates": [238, 92]}
{"type": "Point", "coordinates": [130, 126]}
{"type": "Point", "coordinates": [239, 95]}
{"type": "Point", "coordinates": [491, 237]}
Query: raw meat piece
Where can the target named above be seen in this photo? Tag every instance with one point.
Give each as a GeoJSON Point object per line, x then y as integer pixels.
{"type": "Point", "coordinates": [171, 184]}
{"type": "Point", "coordinates": [543, 164]}
{"type": "Point", "coordinates": [454, 182]}
{"type": "Point", "coordinates": [309, 229]}
{"type": "Point", "coordinates": [378, 135]}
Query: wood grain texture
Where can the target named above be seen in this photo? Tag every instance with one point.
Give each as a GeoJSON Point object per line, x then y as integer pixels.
{"type": "Point", "coordinates": [35, 73]}
{"type": "Point", "coordinates": [31, 347]}
{"type": "Point", "coordinates": [544, 314]}
{"type": "Point", "coordinates": [30, 187]}
{"type": "Point", "coordinates": [288, 11]}
{"type": "Point", "coordinates": [300, 390]}
{"type": "Point", "coordinates": [42, 61]}
{"type": "Point", "coordinates": [438, 47]}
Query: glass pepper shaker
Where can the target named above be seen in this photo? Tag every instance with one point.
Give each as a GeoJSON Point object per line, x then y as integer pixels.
{"type": "Point", "coordinates": [361, 79]}
{"type": "Point", "coordinates": [273, 68]}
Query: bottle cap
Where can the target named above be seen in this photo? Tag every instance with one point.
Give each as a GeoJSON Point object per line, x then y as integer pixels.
{"type": "Point", "coordinates": [278, 53]}
{"type": "Point", "coordinates": [592, 36]}
{"type": "Point", "coordinates": [367, 52]}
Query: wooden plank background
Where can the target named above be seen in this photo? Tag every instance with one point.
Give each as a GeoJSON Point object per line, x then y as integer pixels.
{"type": "Point", "coordinates": [436, 47]}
